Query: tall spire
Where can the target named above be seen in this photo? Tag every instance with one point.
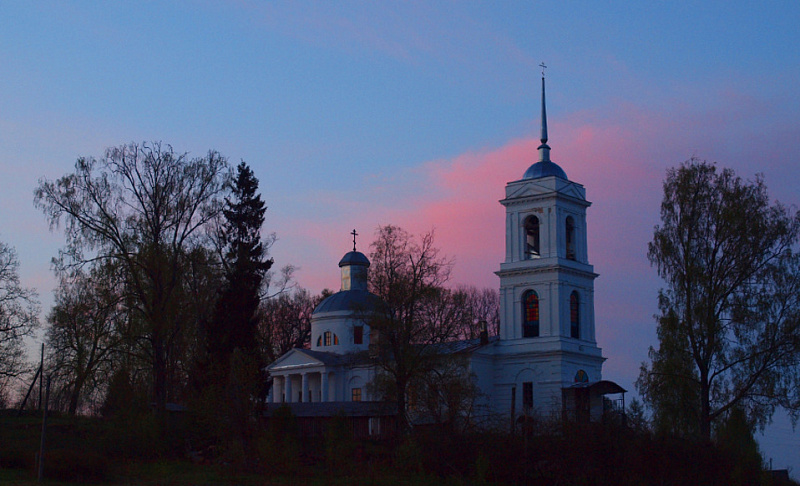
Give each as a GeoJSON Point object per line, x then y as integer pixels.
{"type": "Point", "coordinates": [544, 167]}
{"type": "Point", "coordinates": [544, 149]}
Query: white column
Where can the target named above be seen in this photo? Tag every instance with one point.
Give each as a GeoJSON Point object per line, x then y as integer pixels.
{"type": "Point", "coordinates": [324, 386]}
{"type": "Point", "coordinates": [287, 388]}
{"type": "Point", "coordinates": [276, 390]}
{"type": "Point", "coordinates": [304, 387]}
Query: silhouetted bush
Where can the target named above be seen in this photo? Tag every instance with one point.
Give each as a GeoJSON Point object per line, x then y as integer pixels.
{"type": "Point", "coordinates": [340, 447]}
{"type": "Point", "coordinates": [279, 449]}
{"type": "Point", "coordinates": [575, 454]}
{"type": "Point", "coordinates": [15, 458]}
{"type": "Point", "coordinates": [135, 437]}
{"type": "Point", "coordinates": [75, 465]}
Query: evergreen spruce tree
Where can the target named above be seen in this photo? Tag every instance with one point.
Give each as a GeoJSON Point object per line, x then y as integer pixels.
{"type": "Point", "coordinates": [246, 264]}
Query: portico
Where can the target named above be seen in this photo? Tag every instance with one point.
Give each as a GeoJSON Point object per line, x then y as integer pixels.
{"type": "Point", "coordinates": [302, 386]}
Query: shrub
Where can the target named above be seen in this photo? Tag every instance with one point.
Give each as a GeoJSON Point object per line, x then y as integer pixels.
{"type": "Point", "coordinates": [75, 466]}
{"type": "Point", "coordinates": [17, 459]}
{"type": "Point", "coordinates": [339, 446]}
{"type": "Point", "coordinates": [279, 449]}
{"type": "Point", "coordinates": [408, 456]}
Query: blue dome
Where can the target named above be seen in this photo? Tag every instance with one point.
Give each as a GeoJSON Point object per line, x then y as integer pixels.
{"type": "Point", "coordinates": [350, 300]}
{"type": "Point", "coordinates": [544, 169]}
{"type": "Point", "coordinates": [354, 258]}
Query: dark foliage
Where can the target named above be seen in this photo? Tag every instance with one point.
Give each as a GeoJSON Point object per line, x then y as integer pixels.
{"type": "Point", "coordinates": [18, 318]}
{"type": "Point", "coordinates": [285, 322]}
{"type": "Point", "coordinates": [75, 465]}
{"type": "Point", "coordinates": [244, 259]}
{"type": "Point", "coordinates": [143, 208]}
{"type": "Point", "coordinates": [574, 454]}
{"type": "Point", "coordinates": [730, 314]}
{"type": "Point", "coordinates": [84, 334]}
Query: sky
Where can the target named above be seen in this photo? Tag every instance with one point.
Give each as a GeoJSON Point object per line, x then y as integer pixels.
{"type": "Point", "coordinates": [360, 114]}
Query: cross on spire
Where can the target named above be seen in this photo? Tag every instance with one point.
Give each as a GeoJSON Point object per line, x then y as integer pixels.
{"type": "Point", "coordinates": [543, 67]}
{"type": "Point", "coordinates": [354, 239]}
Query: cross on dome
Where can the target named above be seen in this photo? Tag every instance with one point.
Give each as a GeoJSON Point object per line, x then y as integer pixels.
{"type": "Point", "coordinates": [354, 239]}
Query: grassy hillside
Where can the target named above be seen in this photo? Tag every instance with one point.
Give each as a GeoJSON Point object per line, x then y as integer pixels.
{"type": "Point", "coordinates": [93, 450]}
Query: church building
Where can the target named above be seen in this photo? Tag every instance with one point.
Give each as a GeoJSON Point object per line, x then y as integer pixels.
{"type": "Point", "coordinates": [545, 360]}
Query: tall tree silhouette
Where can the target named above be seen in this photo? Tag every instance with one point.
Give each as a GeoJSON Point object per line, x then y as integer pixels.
{"type": "Point", "coordinates": [246, 264]}
{"type": "Point", "coordinates": [144, 208]}
{"type": "Point", "coordinates": [729, 329]}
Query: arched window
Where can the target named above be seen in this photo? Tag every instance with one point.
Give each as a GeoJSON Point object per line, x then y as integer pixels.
{"type": "Point", "coordinates": [358, 334]}
{"type": "Point", "coordinates": [570, 235]}
{"type": "Point", "coordinates": [532, 249]}
{"type": "Point", "coordinates": [327, 338]}
{"type": "Point", "coordinates": [574, 315]}
{"type": "Point", "coordinates": [319, 341]}
{"type": "Point", "coordinates": [335, 340]}
{"type": "Point", "coordinates": [530, 314]}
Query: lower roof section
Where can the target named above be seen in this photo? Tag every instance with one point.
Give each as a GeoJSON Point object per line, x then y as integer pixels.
{"type": "Point", "coordinates": [331, 409]}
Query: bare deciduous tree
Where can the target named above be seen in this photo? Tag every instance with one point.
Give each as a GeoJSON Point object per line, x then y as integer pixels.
{"type": "Point", "coordinates": [18, 317]}
{"type": "Point", "coordinates": [84, 332]}
{"type": "Point", "coordinates": [285, 322]}
{"type": "Point", "coordinates": [409, 275]}
{"type": "Point", "coordinates": [144, 208]}
{"type": "Point", "coordinates": [482, 308]}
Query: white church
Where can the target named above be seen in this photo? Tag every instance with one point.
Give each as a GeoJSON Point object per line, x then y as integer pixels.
{"type": "Point", "coordinates": [545, 360]}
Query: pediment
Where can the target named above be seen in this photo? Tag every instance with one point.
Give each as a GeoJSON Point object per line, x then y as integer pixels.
{"type": "Point", "coordinates": [547, 187]}
{"type": "Point", "coordinates": [574, 191]}
{"type": "Point", "coordinates": [530, 189]}
{"type": "Point", "coordinates": [295, 358]}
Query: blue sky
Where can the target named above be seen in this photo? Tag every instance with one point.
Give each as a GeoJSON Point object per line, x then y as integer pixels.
{"type": "Point", "coordinates": [355, 114]}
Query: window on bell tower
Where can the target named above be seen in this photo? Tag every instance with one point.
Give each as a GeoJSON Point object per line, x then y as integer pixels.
{"type": "Point", "coordinates": [574, 315]}
{"type": "Point", "coordinates": [530, 314]}
{"type": "Point", "coordinates": [532, 249]}
{"type": "Point", "coordinates": [570, 237]}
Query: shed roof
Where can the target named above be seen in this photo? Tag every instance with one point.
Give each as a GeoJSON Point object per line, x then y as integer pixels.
{"type": "Point", "coordinates": [602, 387]}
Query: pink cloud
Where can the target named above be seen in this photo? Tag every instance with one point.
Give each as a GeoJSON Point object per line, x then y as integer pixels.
{"type": "Point", "coordinates": [462, 202]}
{"type": "Point", "coordinates": [458, 198]}
{"type": "Point", "coordinates": [620, 157]}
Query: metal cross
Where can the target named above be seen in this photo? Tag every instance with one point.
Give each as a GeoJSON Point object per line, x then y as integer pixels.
{"type": "Point", "coordinates": [543, 67]}
{"type": "Point", "coordinates": [354, 239]}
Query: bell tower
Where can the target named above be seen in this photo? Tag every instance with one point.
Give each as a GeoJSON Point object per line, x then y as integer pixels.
{"type": "Point", "coordinates": [547, 328]}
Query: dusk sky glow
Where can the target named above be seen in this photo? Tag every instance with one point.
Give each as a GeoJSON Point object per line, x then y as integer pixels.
{"type": "Point", "coordinates": [359, 114]}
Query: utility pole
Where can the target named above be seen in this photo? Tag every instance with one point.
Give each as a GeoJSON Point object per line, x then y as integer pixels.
{"type": "Point", "coordinates": [44, 430]}
{"type": "Point", "coordinates": [38, 376]}
{"type": "Point", "coordinates": [41, 367]}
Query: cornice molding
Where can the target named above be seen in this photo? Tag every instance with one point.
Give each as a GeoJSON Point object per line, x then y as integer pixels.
{"type": "Point", "coordinates": [557, 268]}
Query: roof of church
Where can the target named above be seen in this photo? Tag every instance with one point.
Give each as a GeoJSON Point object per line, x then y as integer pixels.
{"type": "Point", "coordinates": [462, 346]}
{"type": "Point", "coordinates": [333, 359]}
{"type": "Point", "coordinates": [310, 357]}
{"type": "Point", "coordinates": [349, 300]}
{"type": "Point", "coordinates": [544, 168]}
{"type": "Point", "coordinates": [354, 258]}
